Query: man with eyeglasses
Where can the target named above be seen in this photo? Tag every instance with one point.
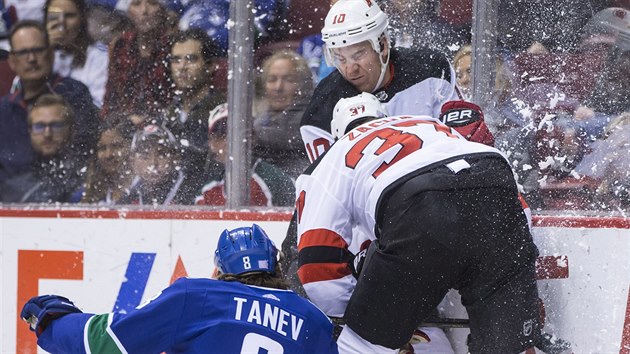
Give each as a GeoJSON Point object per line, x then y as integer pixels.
{"type": "Point", "coordinates": [31, 57]}
{"type": "Point", "coordinates": [192, 64]}
{"type": "Point", "coordinates": [54, 174]}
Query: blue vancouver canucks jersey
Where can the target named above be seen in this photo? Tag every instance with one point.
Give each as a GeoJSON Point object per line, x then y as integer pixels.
{"type": "Point", "coordinates": [199, 316]}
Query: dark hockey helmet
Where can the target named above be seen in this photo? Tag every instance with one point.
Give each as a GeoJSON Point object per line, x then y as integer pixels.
{"type": "Point", "coordinates": [245, 249]}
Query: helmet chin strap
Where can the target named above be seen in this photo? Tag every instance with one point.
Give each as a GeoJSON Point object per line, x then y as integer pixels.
{"type": "Point", "coordinates": [383, 69]}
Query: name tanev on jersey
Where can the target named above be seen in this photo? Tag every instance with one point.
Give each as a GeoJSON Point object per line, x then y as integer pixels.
{"type": "Point", "coordinates": [268, 316]}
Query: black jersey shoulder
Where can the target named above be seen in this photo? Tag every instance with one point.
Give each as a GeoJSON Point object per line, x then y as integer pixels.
{"type": "Point", "coordinates": [412, 66]}
{"type": "Point", "coordinates": [327, 93]}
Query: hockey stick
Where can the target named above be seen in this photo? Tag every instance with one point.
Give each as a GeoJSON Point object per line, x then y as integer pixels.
{"type": "Point", "coordinates": [548, 343]}
{"type": "Point", "coordinates": [440, 322]}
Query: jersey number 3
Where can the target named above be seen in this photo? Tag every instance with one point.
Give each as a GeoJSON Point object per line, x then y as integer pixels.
{"type": "Point", "coordinates": [389, 137]}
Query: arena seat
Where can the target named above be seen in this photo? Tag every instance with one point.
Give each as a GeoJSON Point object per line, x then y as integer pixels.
{"type": "Point", "coordinates": [220, 74]}
{"type": "Point", "coordinates": [306, 17]}
{"type": "Point", "coordinates": [456, 12]}
{"type": "Point", "coordinates": [6, 77]}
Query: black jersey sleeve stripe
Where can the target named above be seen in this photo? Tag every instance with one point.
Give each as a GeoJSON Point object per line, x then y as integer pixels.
{"type": "Point", "coordinates": [323, 254]}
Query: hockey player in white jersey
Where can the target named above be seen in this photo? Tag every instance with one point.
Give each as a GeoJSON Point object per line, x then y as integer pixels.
{"type": "Point", "coordinates": [445, 214]}
{"type": "Point", "coordinates": [409, 81]}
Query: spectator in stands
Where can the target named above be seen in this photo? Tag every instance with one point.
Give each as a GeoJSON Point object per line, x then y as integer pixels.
{"type": "Point", "coordinates": [462, 63]}
{"type": "Point", "coordinates": [268, 186]}
{"type": "Point", "coordinates": [32, 59]}
{"type": "Point", "coordinates": [192, 64]}
{"type": "Point", "coordinates": [28, 10]}
{"type": "Point", "coordinates": [555, 24]}
{"type": "Point", "coordinates": [156, 163]}
{"type": "Point", "coordinates": [76, 54]}
{"type": "Point", "coordinates": [604, 171]}
{"type": "Point", "coordinates": [416, 23]}
{"type": "Point", "coordinates": [287, 88]}
{"type": "Point", "coordinates": [611, 95]}
{"type": "Point", "coordinates": [109, 173]}
{"type": "Point", "coordinates": [174, 9]}
{"type": "Point", "coordinates": [212, 17]}
{"type": "Point", "coordinates": [105, 25]}
{"type": "Point", "coordinates": [55, 173]}
{"type": "Point", "coordinates": [8, 17]}
{"type": "Point", "coordinates": [139, 81]}
{"type": "Point", "coordinates": [603, 30]}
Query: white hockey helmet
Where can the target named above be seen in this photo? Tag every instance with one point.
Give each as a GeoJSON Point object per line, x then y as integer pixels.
{"type": "Point", "coordinates": [614, 21]}
{"type": "Point", "coordinates": [350, 22]}
{"type": "Point", "coordinates": [349, 110]}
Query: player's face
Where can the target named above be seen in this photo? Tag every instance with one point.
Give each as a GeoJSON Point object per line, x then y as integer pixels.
{"type": "Point", "coordinates": [359, 64]}
{"type": "Point", "coordinates": [48, 129]}
{"type": "Point", "coordinates": [281, 84]}
{"type": "Point", "coordinates": [188, 68]}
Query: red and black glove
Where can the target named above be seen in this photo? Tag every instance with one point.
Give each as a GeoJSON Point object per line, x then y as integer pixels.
{"type": "Point", "coordinates": [467, 119]}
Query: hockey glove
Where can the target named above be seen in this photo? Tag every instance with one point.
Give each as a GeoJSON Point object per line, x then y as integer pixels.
{"type": "Point", "coordinates": [467, 119]}
{"type": "Point", "coordinates": [40, 310]}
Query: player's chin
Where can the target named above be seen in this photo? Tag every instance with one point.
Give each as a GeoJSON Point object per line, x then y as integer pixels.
{"type": "Point", "coordinates": [364, 86]}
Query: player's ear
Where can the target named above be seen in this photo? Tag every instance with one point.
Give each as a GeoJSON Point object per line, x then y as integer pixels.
{"type": "Point", "coordinates": [384, 46]}
{"type": "Point", "coordinates": [215, 273]}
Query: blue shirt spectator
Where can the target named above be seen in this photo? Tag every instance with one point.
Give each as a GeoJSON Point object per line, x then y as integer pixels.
{"type": "Point", "coordinates": [31, 58]}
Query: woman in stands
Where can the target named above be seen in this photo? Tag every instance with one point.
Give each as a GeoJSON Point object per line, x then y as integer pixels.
{"type": "Point", "coordinates": [76, 54]}
{"type": "Point", "coordinates": [109, 173]}
{"type": "Point", "coordinates": [287, 86]}
{"type": "Point", "coordinates": [139, 82]}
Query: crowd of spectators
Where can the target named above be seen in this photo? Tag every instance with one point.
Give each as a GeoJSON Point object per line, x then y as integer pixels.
{"type": "Point", "coordinates": [123, 101]}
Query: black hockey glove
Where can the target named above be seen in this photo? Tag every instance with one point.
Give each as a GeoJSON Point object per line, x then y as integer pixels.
{"type": "Point", "coordinates": [40, 310]}
{"type": "Point", "coordinates": [356, 263]}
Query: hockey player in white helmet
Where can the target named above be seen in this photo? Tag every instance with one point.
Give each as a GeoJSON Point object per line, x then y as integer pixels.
{"type": "Point", "coordinates": [442, 212]}
{"type": "Point", "coordinates": [350, 113]}
{"type": "Point", "coordinates": [357, 43]}
{"type": "Point", "coordinates": [354, 110]}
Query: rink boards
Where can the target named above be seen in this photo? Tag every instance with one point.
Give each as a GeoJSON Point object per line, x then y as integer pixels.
{"type": "Point", "coordinates": [113, 260]}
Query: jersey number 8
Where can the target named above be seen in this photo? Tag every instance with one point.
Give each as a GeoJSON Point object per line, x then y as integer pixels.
{"type": "Point", "coordinates": [253, 343]}
{"type": "Point", "coordinates": [247, 264]}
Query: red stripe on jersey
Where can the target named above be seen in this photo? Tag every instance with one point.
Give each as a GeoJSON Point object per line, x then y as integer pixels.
{"type": "Point", "coordinates": [321, 237]}
{"type": "Point", "coordinates": [313, 272]}
{"type": "Point", "coordinates": [523, 202]}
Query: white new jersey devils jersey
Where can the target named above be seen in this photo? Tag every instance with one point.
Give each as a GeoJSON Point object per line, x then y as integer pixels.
{"type": "Point", "coordinates": [340, 192]}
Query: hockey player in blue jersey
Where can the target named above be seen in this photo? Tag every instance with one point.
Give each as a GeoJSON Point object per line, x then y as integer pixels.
{"type": "Point", "coordinates": [247, 310]}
